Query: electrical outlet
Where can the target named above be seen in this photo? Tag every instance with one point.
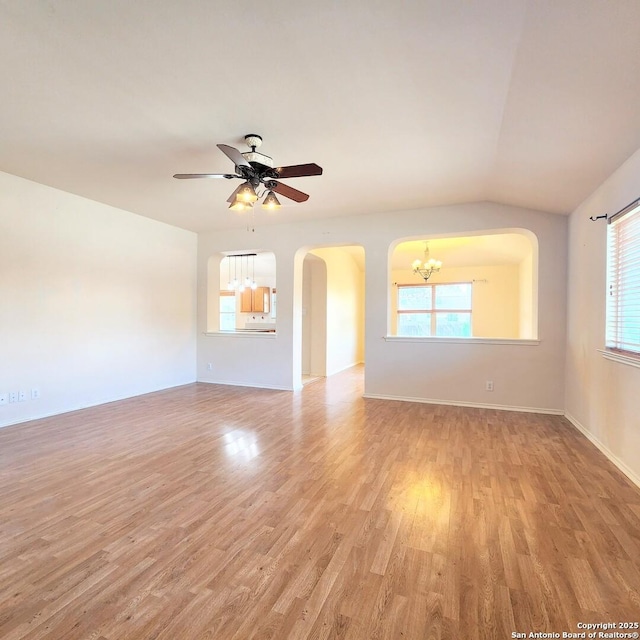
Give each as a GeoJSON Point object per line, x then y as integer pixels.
{"type": "Point", "coordinates": [35, 394]}
{"type": "Point", "coordinates": [22, 396]}
{"type": "Point", "coordinates": [4, 398]}
{"type": "Point", "coordinates": [209, 366]}
{"type": "Point", "coordinates": [489, 385]}
{"type": "Point", "coordinates": [13, 396]}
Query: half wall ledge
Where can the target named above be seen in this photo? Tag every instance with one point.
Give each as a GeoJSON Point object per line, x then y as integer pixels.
{"type": "Point", "coordinates": [442, 340]}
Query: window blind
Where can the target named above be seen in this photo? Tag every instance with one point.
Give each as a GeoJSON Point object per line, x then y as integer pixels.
{"type": "Point", "coordinates": [623, 281]}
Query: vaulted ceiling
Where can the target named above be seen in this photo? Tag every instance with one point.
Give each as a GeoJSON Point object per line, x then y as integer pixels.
{"type": "Point", "coordinates": [404, 104]}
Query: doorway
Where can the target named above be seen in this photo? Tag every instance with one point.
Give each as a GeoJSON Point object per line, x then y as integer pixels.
{"type": "Point", "coordinates": [314, 318]}
{"type": "Point", "coordinates": [332, 311]}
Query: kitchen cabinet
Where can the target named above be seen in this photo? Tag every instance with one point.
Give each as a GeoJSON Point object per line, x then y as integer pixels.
{"type": "Point", "coordinates": [256, 300]}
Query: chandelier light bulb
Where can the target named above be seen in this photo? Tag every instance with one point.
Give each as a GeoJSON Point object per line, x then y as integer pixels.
{"type": "Point", "coordinates": [240, 206]}
{"type": "Point", "coordinates": [271, 202]}
{"type": "Point", "coordinates": [246, 193]}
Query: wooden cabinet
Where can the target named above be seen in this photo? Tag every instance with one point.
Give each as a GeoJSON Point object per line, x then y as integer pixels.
{"type": "Point", "coordinates": [262, 299]}
{"type": "Point", "coordinates": [246, 301]}
{"type": "Point", "coordinates": [255, 300]}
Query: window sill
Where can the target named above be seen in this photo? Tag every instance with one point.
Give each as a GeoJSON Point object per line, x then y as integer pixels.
{"type": "Point", "coordinates": [621, 358]}
{"type": "Point", "coordinates": [269, 335]}
{"type": "Point", "coordinates": [440, 340]}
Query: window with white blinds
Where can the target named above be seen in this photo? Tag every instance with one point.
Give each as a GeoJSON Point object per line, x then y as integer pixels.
{"type": "Point", "coordinates": [623, 281]}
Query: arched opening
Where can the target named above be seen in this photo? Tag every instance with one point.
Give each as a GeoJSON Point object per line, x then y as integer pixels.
{"type": "Point", "coordinates": [330, 310]}
{"type": "Point", "coordinates": [241, 291]}
{"type": "Point", "coordinates": [485, 288]}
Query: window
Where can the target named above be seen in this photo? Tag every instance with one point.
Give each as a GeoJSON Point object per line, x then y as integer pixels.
{"type": "Point", "coordinates": [623, 281]}
{"type": "Point", "coordinates": [435, 310]}
{"type": "Point", "coordinates": [227, 311]}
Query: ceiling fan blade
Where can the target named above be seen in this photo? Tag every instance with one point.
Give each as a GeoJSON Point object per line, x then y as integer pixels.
{"type": "Point", "coordinates": [187, 176]}
{"type": "Point", "coordinates": [288, 192]}
{"type": "Point", "coordinates": [232, 197]}
{"type": "Point", "coordinates": [298, 171]}
{"type": "Point", "coordinates": [234, 155]}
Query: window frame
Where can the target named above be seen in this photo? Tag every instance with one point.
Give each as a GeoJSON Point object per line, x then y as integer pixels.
{"type": "Point", "coordinates": [234, 313]}
{"type": "Point", "coordinates": [433, 311]}
{"type": "Point", "coordinates": [623, 276]}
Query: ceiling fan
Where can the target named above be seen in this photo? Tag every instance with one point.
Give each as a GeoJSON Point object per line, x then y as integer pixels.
{"type": "Point", "coordinates": [256, 169]}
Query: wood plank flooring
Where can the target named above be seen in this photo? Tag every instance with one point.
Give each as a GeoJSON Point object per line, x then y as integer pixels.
{"type": "Point", "coordinates": [231, 513]}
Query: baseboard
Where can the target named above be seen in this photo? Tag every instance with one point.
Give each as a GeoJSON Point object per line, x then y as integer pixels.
{"type": "Point", "coordinates": [79, 407]}
{"type": "Point", "coordinates": [476, 405]}
{"type": "Point", "coordinates": [632, 475]}
{"type": "Point", "coordinates": [253, 385]}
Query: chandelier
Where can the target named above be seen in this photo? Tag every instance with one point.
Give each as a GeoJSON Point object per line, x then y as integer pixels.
{"type": "Point", "coordinates": [427, 267]}
{"type": "Point", "coordinates": [244, 281]}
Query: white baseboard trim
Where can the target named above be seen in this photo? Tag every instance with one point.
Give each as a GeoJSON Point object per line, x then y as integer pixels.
{"type": "Point", "coordinates": [79, 407]}
{"type": "Point", "coordinates": [253, 385]}
{"type": "Point", "coordinates": [476, 405]}
{"type": "Point", "coordinates": [632, 475]}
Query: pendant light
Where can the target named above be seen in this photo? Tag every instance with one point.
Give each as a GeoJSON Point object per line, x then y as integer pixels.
{"type": "Point", "coordinates": [246, 193]}
{"type": "Point", "coordinates": [271, 202]}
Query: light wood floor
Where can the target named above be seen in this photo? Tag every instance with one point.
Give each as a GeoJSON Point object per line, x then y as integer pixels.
{"type": "Point", "coordinates": [220, 512]}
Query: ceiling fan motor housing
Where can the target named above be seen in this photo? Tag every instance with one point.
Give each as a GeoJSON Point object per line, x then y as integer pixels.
{"type": "Point", "coordinates": [253, 140]}
{"type": "Point", "coordinates": [259, 158]}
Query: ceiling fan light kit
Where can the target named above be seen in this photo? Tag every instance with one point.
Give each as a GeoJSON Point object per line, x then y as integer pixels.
{"type": "Point", "coordinates": [257, 170]}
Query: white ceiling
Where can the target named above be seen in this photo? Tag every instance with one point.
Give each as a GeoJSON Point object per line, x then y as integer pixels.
{"type": "Point", "coordinates": [405, 105]}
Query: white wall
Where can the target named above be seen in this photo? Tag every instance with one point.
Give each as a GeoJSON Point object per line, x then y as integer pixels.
{"type": "Point", "coordinates": [525, 375]}
{"type": "Point", "coordinates": [96, 303]}
{"type": "Point", "coordinates": [528, 301]}
{"type": "Point", "coordinates": [345, 291]}
{"type": "Point", "coordinates": [602, 396]}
